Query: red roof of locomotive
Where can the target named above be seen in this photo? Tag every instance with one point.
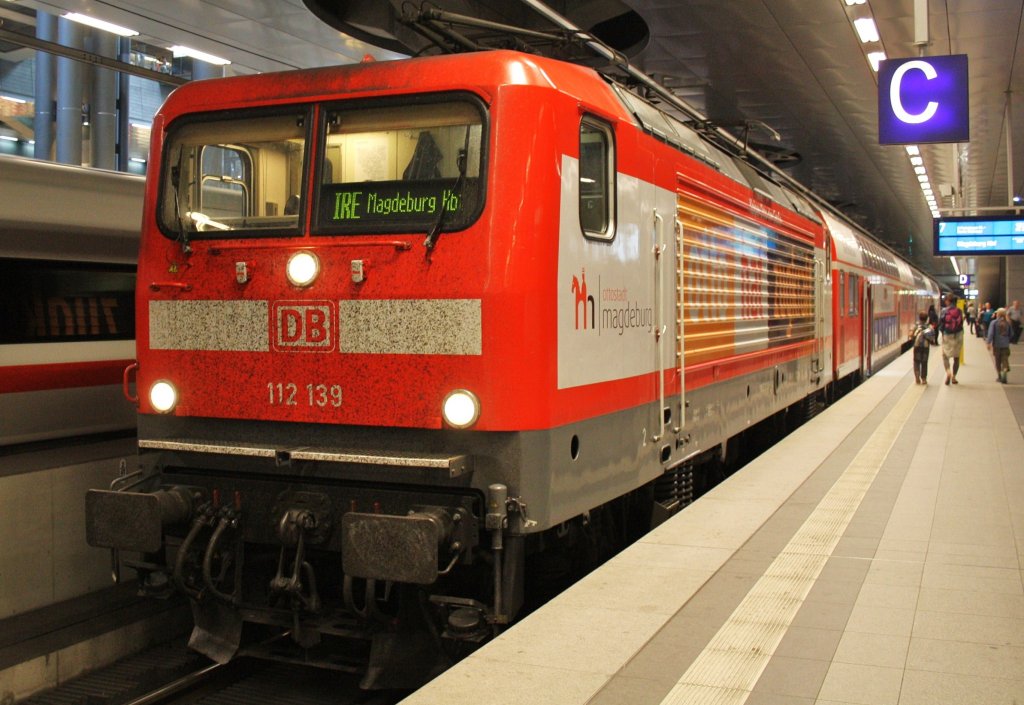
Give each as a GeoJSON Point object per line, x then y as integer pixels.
{"type": "Point", "coordinates": [483, 72]}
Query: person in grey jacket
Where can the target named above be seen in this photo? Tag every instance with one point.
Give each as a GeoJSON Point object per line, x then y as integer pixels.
{"type": "Point", "coordinates": [999, 332]}
{"type": "Point", "coordinates": [1015, 315]}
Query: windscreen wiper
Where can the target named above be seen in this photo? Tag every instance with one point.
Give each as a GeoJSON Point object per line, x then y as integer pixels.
{"type": "Point", "coordinates": [180, 217]}
{"type": "Point", "coordinates": [435, 230]}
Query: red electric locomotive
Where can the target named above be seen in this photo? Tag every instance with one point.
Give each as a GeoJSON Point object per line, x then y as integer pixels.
{"type": "Point", "coordinates": [403, 324]}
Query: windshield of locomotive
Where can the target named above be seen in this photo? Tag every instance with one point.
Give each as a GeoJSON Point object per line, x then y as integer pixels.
{"type": "Point", "coordinates": [224, 176]}
{"type": "Point", "coordinates": [401, 168]}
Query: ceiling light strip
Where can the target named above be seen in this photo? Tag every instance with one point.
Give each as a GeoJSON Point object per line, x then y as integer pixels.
{"type": "Point", "coordinates": [97, 23]}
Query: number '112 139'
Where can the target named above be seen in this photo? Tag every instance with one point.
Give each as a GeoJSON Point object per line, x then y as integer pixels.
{"type": "Point", "coordinates": [289, 394]}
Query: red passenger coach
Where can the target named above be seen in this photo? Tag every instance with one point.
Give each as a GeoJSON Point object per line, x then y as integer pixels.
{"type": "Point", "coordinates": [876, 299]}
{"type": "Point", "coordinates": [403, 326]}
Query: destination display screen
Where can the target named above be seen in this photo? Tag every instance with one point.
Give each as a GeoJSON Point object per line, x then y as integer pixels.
{"type": "Point", "coordinates": [398, 205]}
{"type": "Point", "coordinates": [979, 235]}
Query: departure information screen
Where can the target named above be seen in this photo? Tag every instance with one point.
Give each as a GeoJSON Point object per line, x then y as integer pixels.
{"type": "Point", "coordinates": [978, 235]}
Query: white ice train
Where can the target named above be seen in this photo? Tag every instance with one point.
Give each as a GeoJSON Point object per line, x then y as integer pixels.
{"type": "Point", "coordinates": [69, 239]}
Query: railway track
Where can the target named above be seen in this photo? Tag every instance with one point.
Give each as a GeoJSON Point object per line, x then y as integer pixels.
{"type": "Point", "coordinates": [183, 688]}
{"type": "Point", "coordinates": [171, 674]}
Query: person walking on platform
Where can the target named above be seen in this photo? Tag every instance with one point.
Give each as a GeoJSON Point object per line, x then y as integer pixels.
{"type": "Point", "coordinates": [923, 337]}
{"type": "Point", "coordinates": [999, 343]}
{"type": "Point", "coordinates": [1013, 315]}
{"type": "Point", "coordinates": [983, 319]}
{"type": "Point", "coordinates": [971, 313]}
{"type": "Point", "coordinates": [951, 323]}
{"type": "Point", "coordinates": [933, 320]}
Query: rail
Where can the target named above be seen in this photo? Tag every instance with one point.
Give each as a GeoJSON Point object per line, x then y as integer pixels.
{"type": "Point", "coordinates": [180, 686]}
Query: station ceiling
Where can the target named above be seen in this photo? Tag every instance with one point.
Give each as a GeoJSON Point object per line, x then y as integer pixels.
{"type": "Point", "coordinates": [786, 68]}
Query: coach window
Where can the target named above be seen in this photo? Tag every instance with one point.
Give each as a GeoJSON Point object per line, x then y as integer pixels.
{"type": "Point", "coordinates": [842, 293]}
{"type": "Point", "coordinates": [597, 169]}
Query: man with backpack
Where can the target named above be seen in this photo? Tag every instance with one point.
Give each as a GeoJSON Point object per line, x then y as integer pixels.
{"type": "Point", "coordinates": [951, 323]}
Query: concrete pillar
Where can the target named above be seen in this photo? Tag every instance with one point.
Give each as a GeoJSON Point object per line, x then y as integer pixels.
{"type": "Point", "coordinates": [70, 76]}
{"type": "Point", "coordinates": [103, 106]}
{"type": "Point", "coordinates": [42, 124]}
{"type": "Point", "coordinates": [1014, 279]}
{"type": "Point", "coordinates": [123, 94]}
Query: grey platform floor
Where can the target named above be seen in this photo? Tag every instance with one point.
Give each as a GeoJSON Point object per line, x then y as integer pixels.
{"type": "Point", "coordinates": [873, 557]}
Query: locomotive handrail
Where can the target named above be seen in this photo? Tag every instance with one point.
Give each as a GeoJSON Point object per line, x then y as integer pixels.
{"type": "Point", "coordinates": [157, 286]}
{"type": "Point", "coordinates": [677, 282]}
{"type": "Point", "coordinates": [659, 297]}
{"type": "Point", "coordinates": [132, 398]}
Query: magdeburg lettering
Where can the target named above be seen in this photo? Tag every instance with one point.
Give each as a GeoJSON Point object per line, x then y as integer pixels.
{"type": "Point", "coordinates": [623, 318]}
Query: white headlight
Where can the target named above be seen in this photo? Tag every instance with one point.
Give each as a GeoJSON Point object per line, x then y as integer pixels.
{"type": "Point", "coordinates": [303, 268]}
{"type": "Point", "coordinates": [163, 396]}
{"type": "Point", "coordinates": [461, 408]}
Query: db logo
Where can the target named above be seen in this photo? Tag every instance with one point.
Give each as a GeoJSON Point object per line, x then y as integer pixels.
{"type": "Point", "coordinates": [303, 326]}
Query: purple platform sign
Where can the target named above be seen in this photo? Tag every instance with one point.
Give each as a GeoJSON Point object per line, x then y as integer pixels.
{"type": "Point", "coordinates": [923, 100]}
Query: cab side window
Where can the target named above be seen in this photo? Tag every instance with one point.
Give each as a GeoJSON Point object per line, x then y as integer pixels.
{"type": "Point", "coordinates": [597, 179]}
{"type": "Point", "coordinates": [842, 293]}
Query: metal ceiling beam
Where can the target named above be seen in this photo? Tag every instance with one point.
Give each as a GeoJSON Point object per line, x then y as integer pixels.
{"type": "Point", "coordinates": [87, 57]}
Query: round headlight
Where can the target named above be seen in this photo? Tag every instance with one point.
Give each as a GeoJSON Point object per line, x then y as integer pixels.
{"type": "Point", "coordinates": [163, 396]}
{"type": "Point", "coordinates": [461, 408]}
{"type": "Point", "coordinates": [303, 268]}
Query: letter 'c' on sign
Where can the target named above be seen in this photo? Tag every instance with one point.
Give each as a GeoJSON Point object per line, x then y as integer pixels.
{"type": "Point", "coordinates": [894, 93]}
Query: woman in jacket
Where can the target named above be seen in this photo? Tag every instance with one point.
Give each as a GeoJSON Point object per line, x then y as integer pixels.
{"type": "Point", "coordinates": [999, 332]}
